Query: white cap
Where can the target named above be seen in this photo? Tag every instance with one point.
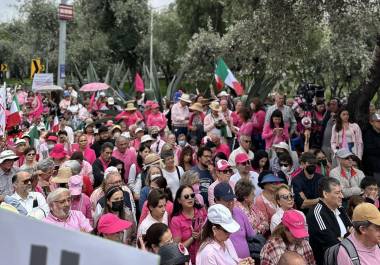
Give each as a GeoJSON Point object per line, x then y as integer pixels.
{"type": "Point", "coordinates": [20, 141]}
{"type": "Point", "coordinates": [146, 138]}
{"type": "Point", "coordinates": [281, 145]}
{"type": "Point", "coordinates": [223, 94]}
{"type": "Point", "coordinates": [102, 94]}
{"type": "Point", "coordinates": [126, 135]}
{"type": "Point", "coordinates": [343, 153]}
{"type": "Point", "coordinates": [110, 101]}
{"type": "Point", "coordinates": [138, 130]}
{"type": "Point", "coordinates": [221, 215]}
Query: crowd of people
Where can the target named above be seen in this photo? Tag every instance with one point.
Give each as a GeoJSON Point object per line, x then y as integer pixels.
{"type": "Point", "coordinates": [201, 181]}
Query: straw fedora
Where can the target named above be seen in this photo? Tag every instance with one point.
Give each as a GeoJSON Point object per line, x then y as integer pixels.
{"type": "Point", "coordinates": [130, 107]}
{"type": "Point", "coordinates": [63, 176]}
{"type": "Point", "coordinates": [152, 159]}
{"type": "Point", "coordinates": [215, 106]}
{"type": "Point", "coordinates": [185, 97]}
{"type": "Point", "coordinates": [196, 107]}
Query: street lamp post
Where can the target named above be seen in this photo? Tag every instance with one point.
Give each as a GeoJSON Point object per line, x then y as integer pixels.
{"type": "Point", "coordinates": [151, 47]}
{"type": "Point", "coordinates": [62, 50]}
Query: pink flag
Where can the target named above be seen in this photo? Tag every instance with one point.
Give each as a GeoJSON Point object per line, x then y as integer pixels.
{"type": "Point", "coordinates": [92, 101]}
{"type": "Point", "coordinates": [38, 107]}
{"type": "Point", "coordinates": [139, 83]}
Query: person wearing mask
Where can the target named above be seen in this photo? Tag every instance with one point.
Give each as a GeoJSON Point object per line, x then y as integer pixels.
{"type": "Point", "coordinates": [104, 161]}
{"type": "Point", "coordinates": [245, 196]}
{"type": "Point", "coordinates": [245, 143]}
{"type": "Point", "coordinates": [158, 143]}
{"type": "Point", "coordinates": [285, 201]}
{"type": "Point", "coordinates": [287, 112]}
{"type": "Point", "coordinates": [216, 245]}
{"type": "Point", "coordinates": [289, 235]}
{"type": "Point", "coordinates": [79, 200]}
{"type": "Point", "coordinates": [171, 172]}
{"type": "Point", "coordinates": [224, 195]}
{"type": "Point", "coordinates": [180, 115]}
{"type": "Point", "coordinates": [223, 174]}
{"type": "Point", "coordinates": [30, 200]}
{"type": "Point", "coordinates": [59, 202]}
{"type": "Point", "coordinates": [187, 221]}
{"type": "Point", "coordinates": [348, 176]}
{"type": "Point", "coordinates": [324, 166]}
{"type": "Point", "coordinates": [365, 238]}
{"type": "Point", "coordinates": [125, 153]}
{"type": "Point", "coordinates": [244, 171]}
{"type": "Point", "coordinates": [286, 168]}
{"type": "Point", "coordinates": [371, 153]}
{"type": "Point", "coordinates": [327, 221]}
{"type": "Point", "coordinates": [346, 135]}
{"type": "Point", "coordinates": [278, 149]}
{"type": "Point", "coordinates": [157, 211]}
{"type": "Point", "coordinates": [305, 184]}
{"type": "Point", "coordinates": [204, 168]}
{"type": "Point", "coordinates": [7, 171]}
{"type": "Point", "coordinates": [105, 136]}
{"type": "Point", "coordinates": [111, 227]}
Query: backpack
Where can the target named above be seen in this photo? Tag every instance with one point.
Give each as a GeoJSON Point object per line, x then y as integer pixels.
{"type": "Point", "coordinates": [331, 254]}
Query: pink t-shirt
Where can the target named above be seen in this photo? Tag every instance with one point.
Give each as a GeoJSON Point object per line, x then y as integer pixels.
{"type": "Point", "coordinates": [76, 221]}
{"type": "Point", "coordinates": [223, 148]}
{"type": "Point", "coordinates": [181, 227]}
{"type": "Point", "coordinates": [157, 119]}
{"type": "Point", "coordinates": [367, 256]}
{"type": "Point", "coordinates": [129, 157]}
{"type": "Point", "coordinates": [88, 154]}
{"type": "Point", "coordinates": [83, 204]}
{"type": "Point", "coordinates": [214, 253]}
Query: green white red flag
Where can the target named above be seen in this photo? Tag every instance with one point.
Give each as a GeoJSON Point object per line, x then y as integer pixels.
{"type": "Point", "coordinates": [223, 75]}
{"type": "Point", "coordinates": [14, 117]}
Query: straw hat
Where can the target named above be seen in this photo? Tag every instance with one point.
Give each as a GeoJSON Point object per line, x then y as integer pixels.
{"type": "Point", "coordinates": [130, 106]}
{"type": "Point", "coordinates": [152, 159]}
{"type": "Point", "coordinates": [196, 107]}
{"type": "Point", "coordinates": [223, 94]}
{"type": "Point", "coordinates": [186, 98]}
{"type": "Point", "coordinates": [63, 176]}
{"type": "Point", "coordinates": [215, 106]}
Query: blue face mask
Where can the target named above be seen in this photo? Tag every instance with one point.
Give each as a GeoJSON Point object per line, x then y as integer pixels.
{"type": "Point", "coordinates": [182, 143]}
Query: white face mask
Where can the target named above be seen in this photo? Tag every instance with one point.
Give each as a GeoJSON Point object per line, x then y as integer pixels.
{"type": "Point", "coordinates": [284, 169]}
{"type": "Point", "coordinates": [116, 135]}
{"type": "Point", "coordinates": [50, 146]}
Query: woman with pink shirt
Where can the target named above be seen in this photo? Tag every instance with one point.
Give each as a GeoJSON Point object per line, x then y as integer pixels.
{"type": "Point", "coordinates": [236, 121]}
{"type": "Point", "coordinates": [246, 127]}
{"type": "Point", "coordinates": [275, 131]}
{"type": "Point", "coordinates": [89, 131]}
{"type": "Point", "coordinates": [84, 148]}
{"type": "Point", "coordinates": [258, 120]}
{"type": "Point", "coordinates": [130, 115]}
{"type": "Point", "coordinates": [156, 118]}
{"type": "Point", "coordinates": [187, 221]}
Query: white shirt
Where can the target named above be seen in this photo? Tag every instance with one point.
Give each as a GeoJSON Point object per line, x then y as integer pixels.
{"type": "Point", "coordinates": [157, 146]}
{"type": "Point", "coordinates": [172, 179]}
{"type": "Point", "coordinates": [237, 151]}
{"type": "Point", "coordinates": [343, 229]}
{"type": "Point", "coordinates": [148, 221]}
{"type": "Point", "coordinates": [28, 202]}
{"type": "Point", "coordinates": [70, 134]}
{"type": "Point", "coordinates": [253, 177]}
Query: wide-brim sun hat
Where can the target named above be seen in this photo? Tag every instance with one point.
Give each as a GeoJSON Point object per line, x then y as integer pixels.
{"type": "Point", "coordinates": [63, 176]}
{"type": "Point", "coordinates": [270, 178]}
{"type": "Point", "coordinates": [215, 106]}
{"type": "Point", "coordinates": [146, 138]}
{"type": "Point", "coordinates": [130, 107]}
{"type": "Point", "coordinates": [152, 159]}
{"type": "Point", "coordinates": [186, 98]}
{"type": "Point", "coordinates": [8, 155]}
{"type": "Point", "coordinates": [221, 215]}
{"type": "Point", "coordinates": [223, 94]}
{"type": "Point", "coordinates": [281, 145]}
{"type": "Point", "coordinates": [111, 224]}
{"type": "Point", "coordinates": [196, 107]}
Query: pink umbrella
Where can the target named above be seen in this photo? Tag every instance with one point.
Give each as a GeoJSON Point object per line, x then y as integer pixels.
{"type": "Point", "coordinates": [92, 87]}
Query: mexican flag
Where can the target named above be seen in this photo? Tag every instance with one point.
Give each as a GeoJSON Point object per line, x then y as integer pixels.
{"type": "Point", "coordinates": [223, 75]}
{"type": "Point", "coordinates": [55, 127]}
{"type": "Point", "coordinates": [14, 117]}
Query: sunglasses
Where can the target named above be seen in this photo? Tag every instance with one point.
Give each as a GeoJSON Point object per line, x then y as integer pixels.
{"type": "Point", "coordinates": [227, 171]}
{"type": "Point", "coordinates": [31, 154]}
{"type": "Point", "coordinates": [348, 158]}
{"type": "Point", "coordinates": [284, 165]}
{"type": "Point", "coordinates": [247, 141]}
{"type": "Point", "coordinates": [189, 196]}
{"type": "Point", "coordinates": [27, 181]}
{"type": "Point", "coordinates": [287, 197]}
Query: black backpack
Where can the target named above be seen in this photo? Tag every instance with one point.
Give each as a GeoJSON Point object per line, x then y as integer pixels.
{"type": "Point", "coordinates": [331, 254]}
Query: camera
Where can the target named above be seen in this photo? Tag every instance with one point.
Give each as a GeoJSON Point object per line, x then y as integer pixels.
{"type": "Point", "coordinates": [308, 91]}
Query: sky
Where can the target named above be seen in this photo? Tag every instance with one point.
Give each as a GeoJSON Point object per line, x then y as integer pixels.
{"type": "Point", "coordinates": [8, 11]}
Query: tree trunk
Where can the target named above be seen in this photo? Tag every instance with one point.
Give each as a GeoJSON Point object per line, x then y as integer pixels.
{"type": "Point", "coordinates": [359, 99]}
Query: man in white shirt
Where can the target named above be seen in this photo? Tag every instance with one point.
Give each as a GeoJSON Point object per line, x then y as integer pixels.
{"type": "Point", "coordinates": [245, 147]}
{"type": "Point", "coordinates": [30, 200]}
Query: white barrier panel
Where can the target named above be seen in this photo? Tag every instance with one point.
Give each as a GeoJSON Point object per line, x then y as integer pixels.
{"type": "Point", "coordinates": [40, 80]}
{"type": "Point", "coordinates": [25, 241]}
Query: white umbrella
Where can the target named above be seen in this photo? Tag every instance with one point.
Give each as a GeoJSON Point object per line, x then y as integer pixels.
{"type": "Point", "coordinates": [48, 88]}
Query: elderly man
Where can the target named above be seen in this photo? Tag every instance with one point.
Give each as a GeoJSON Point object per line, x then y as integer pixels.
{"type": "Point", "coordinates": [327, 222]}
{"type": "Point", "coordinates": [45, 171]}
{"type": "Point", "coordinates": [59, 202]}
{"type": "Point", "coordinates": [287, 112]}
{"type": "Point", "coordinates": [125, 153]}
{"type": "Point", "coordinates": [22, 183]}
{"type": "Point", "coordinates": [244, 147]}
{"type": "Point", "coordinates": [348, 176]}
{"type": "Point", "coordinates": [7, 159]}
{"type": "Point", "coordinates": [104, 161]}
{"type": "Point", "coordinates": [365, 238]}
{"type": "Point", "coordinates": [180, 115]}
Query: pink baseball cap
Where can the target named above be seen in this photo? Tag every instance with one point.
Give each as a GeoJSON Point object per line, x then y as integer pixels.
{"type": "Point", "coordinates": [111, 224]}
{"type": "Point", "coordinates": [58, 151]}
{"type": "Point", "coordinates": [75, 185]}
{"type": "Point", "coordinates": [241, 158]}
{"type": "Point", "coordinates": [295, 222]}
{"type": "Point", "coordinates": [52, 138]}
{"type": "Point", "coordinates": [154, 105]}
{"type": "Point", "coordinates": [222, 165]}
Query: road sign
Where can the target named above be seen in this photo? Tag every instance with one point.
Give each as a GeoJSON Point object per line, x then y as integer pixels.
{"type": "Point", "coordinates": [3, 67]}
{"type": "Point", "coordinates": [35, 67]}
{"type": "Point", "coordinates": [65, 12]}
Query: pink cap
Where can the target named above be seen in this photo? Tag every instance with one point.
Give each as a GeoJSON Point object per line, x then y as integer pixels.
{"type": "Point", "coordinates": [154, 105]}
{"type": "Point", "coordinates": [52, 138]}
{"type": "Point", "coordinates": [241, 158]}
{"type": "Point", "coordinates": [75, 185]}
{"type": "Point", "coordinates": [111, 224]}
{"type": "Point", "coordinates": [222, 164]}
{"type": "Point", "coordinates": [58, 152]}
{"type": "Point", "coordinates": [295, 222]}
{"type": "Point", "coordinates": [148, 103]}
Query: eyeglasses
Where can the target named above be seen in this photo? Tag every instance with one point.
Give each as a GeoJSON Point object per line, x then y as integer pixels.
{"type": "Point", "coordinates": [247, 141]}
{"type": "Point", "coordinates": [26, 181]}
{"type": "Point", "coordinates": [287, 197]}
{"type": "Point", "coordinates": [348, 158]}
{"type": "Point", "coordinates": [189, 196]}
{"type": "Point", "coordinates": [227, 171]}
{"type": "Point", "coordinates": [31, 154]}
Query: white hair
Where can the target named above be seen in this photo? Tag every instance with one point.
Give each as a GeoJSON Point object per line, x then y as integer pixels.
{"type": "Point", "coordinates": [52, 197]}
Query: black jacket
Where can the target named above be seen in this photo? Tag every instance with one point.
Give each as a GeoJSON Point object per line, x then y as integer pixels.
{"type": "Point", "coordinates": [98, 170]}
{"type": "Point", "coordinates": [324, 229]}
{"type": "Point", "coordinates": [98, 145]}
{"type": "Point", "coordinates": [371, 152]}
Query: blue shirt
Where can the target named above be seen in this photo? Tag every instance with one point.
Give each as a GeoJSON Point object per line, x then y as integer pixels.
{"type": "Point", "coordinates": [206, 180]}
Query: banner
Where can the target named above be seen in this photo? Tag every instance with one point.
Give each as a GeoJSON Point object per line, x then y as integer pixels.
{"type": "Point", "coordinates": [40, 80]}
{"type": "Point", "coordinates": [3, 107]}
{"type": "Point", "coordinates": [26, 241]}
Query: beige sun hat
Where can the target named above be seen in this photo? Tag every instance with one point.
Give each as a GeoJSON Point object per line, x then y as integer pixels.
{"type": "Point", "coordinates": [215, 106]}
{"type": "Point", "coordinates": [63, 176]}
